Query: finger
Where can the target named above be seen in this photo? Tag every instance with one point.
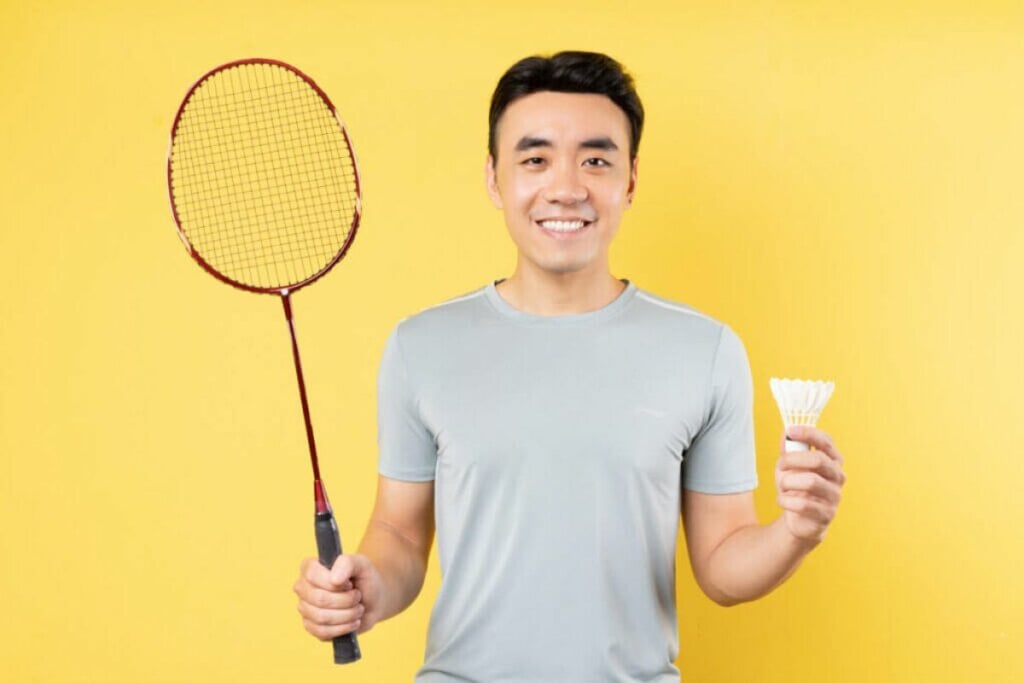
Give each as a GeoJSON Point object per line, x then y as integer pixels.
{"type": "Point", "coordinates": [342, 571]}
{"type": "Point", "coordinates": [361, 567]}
{"type": "Point", "coordinates": [812, 436]}
{"type": "Point", "coordinates": [811, 483]}
{"type": "Point", "coordinates": [331, 599]}
{"type": "Point", "coordinates": [330, 632]}
{"type": "Point", "coordinates": [315, 574]}
{"type": "Point", "coordinates": [809, 508]}
{"type": "Point", "coordinates": [330, 617]}
{"type": "Point", "coordinates": [815, 461]}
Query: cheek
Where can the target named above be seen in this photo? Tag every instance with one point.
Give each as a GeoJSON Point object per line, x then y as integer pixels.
{"type": "Point", "coordinates": [613, 195]}
{"type": "Point", "coordinates": [611, 186]}
{"type": "Point", "coordinates": [521, 194]}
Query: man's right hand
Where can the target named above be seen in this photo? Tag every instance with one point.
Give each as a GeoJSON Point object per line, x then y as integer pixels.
{"type": "Point", "coordinates": [357, 592]}
{"type": "Point", "coordinates": [343, 599]}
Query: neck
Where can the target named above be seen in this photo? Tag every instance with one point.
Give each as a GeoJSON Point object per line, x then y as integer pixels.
{"type": "Point", "coordinates": [544, 293]}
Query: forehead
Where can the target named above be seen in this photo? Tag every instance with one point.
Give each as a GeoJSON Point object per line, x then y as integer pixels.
{"type": "Point", "coordinates": [562, 118]}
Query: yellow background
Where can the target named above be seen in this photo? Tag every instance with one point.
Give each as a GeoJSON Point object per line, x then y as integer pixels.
{"type": "Point", "coordinates": [840, 184]}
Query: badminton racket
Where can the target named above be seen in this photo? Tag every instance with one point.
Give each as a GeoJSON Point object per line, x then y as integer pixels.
{"type": "Point", "coordinates": [264, 189]}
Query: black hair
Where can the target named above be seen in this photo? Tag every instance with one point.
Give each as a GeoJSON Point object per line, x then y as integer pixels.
{"type": "Point", "coordinates": [573, 72]}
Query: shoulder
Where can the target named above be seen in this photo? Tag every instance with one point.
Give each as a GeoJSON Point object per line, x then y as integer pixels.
{"type": "Point", "coordinates": [443, 320]}
{"type": "Point", "coordinates": [677, 319]}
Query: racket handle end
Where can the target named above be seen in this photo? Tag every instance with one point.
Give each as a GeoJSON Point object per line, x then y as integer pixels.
{"type": "Point", "coordinates": [346, 649]}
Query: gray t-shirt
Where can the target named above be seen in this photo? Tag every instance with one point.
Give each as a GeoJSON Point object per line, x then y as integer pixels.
{"type": "Point", "coordinates": [558, 446]}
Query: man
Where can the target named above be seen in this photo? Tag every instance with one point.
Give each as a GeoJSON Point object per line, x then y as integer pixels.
{"type": "Point", "coordinates": [557, 422]}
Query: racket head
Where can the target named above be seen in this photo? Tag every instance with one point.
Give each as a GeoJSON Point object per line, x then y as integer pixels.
{"type": "Point", "coordinates": [262, 177]}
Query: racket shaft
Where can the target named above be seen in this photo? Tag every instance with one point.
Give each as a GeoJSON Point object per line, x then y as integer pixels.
{"type": "Point", "coordinates": [328, 545]}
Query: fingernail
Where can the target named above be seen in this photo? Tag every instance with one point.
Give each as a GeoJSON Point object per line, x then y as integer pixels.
{"type": "Point", "coordinates": [795, 431]}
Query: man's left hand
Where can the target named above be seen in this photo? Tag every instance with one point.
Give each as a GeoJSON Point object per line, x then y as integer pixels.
{"type": "Point", "coordinates": [809, 484]}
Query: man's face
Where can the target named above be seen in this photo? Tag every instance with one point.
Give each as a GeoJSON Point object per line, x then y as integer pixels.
{"type": "Point", "coordinates": [563, 178]}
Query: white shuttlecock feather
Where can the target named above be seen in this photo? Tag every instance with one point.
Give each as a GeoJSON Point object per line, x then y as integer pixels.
{"type": "Point", "coordinates": [800, 402]}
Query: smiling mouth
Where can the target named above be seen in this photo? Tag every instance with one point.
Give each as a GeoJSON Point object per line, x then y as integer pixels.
{"type": "Point", "coordinates": [564, 226]}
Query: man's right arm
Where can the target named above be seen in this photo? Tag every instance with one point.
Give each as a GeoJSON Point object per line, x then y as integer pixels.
{"type": "Point", "coordinates": [384, 576]}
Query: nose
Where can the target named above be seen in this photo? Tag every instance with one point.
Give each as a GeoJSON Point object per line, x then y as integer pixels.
{"type": "Point", "coordinates": [566, 186]}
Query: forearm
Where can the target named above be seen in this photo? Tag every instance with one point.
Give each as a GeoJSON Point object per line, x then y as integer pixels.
{"type": "Point", "coordinates": [753, 561]}
{"type": "Point", "coordinates": [401, 564]}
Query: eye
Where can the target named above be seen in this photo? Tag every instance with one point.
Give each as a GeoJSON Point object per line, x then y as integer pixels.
{"type": "Point", "coordinates": [533, 161]}
{"type": "Point", "coordinates": [596, 162]}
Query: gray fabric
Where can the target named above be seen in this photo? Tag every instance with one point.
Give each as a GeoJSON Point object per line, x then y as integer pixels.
{"type": "Point", "coordinates": [557, 449]}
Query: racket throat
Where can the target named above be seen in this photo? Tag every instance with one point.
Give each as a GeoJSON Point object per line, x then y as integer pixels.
{"type": "Point", "coordinates": [323, 505]}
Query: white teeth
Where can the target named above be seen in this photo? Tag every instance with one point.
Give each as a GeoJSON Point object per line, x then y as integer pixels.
{"type": "Point", "coordinates": [563, 226]}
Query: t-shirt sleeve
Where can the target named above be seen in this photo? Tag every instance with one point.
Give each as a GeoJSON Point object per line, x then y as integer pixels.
{"type": "Point", "coordinates": [406, 448]}
{"type": "Point", "coordinates": [721, 458]}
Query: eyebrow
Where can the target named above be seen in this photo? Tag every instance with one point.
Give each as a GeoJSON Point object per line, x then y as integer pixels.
{"type": "Point", "coordinates": [604, 143]}
{"type": "Point", "coordinates": [529, 142]}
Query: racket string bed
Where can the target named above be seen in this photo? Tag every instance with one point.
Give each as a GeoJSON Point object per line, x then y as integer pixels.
{"type": "Point", "coordinates": [265, 182]}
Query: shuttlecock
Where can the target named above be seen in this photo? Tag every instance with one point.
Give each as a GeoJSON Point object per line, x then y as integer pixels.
{"type": "Point", "coordinates": [800, 402]}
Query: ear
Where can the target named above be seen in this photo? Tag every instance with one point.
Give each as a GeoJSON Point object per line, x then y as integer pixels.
{"type": "Point", "coordinates": [491, 178]}
{"type": "Point", "coordinates": [631, 190]}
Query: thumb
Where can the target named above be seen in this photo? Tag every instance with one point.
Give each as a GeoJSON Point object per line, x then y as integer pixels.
{"type": "Point", "coordinates": [342, 571]}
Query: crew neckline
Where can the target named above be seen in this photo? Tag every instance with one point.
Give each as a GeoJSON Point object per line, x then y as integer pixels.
{"type": "Point", "coordinates": [507, 310]}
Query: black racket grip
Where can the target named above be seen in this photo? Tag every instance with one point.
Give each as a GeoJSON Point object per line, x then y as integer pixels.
{"type": "Point", "coordinates": [328, 545]}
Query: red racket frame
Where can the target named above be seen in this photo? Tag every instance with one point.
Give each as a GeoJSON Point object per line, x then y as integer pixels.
{"type": "Point", "coordinates": [283, 291]}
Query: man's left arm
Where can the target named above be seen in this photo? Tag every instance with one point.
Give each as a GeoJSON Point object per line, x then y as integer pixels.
{"type": "Point", "coordinates": [736, 559]}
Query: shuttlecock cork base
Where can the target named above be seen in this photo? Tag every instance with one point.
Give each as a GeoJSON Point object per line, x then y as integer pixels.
{"type": "Point", "coordinates": [800, 402]}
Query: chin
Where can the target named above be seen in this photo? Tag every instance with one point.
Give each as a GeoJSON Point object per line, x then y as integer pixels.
{"type": "Point", "coordinates": [562, 268]}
